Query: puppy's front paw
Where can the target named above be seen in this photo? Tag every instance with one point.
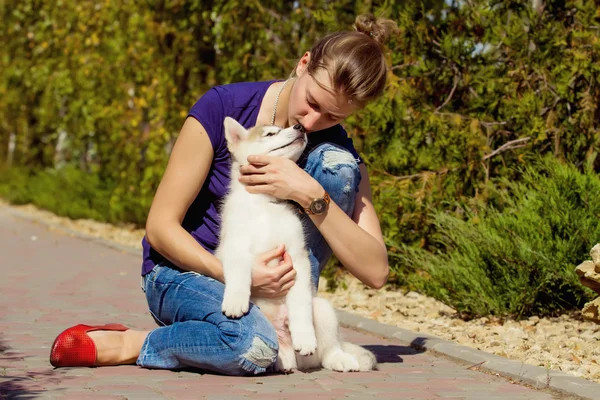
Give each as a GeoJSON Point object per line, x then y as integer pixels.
{"type": "Point", "coordinates": [341, 362]}
{"type": "Point", "coordinates": [304, 342]}
{"type": "Point", "coordinates": [235, 304]}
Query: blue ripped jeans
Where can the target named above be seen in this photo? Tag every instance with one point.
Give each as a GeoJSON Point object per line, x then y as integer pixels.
{"type": "Point", "coordinates": [195, 333]}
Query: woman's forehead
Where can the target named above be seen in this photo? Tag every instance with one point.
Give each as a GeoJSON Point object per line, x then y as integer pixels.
{"type": "Point", "coordinates": [319, 87]}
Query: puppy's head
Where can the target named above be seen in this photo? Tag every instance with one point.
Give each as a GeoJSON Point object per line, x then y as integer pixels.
{"type": "Point", "coordinates": [264, 140]}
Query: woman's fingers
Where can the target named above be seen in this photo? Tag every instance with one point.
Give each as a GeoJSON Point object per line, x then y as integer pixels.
{"type": "Point", "coordinates": [253, 169]}
{"type": "Point", "coordinates": [289, 275]}
{"type": "Point", "coordinates": [286, 288]}
{"type": "Point", "coordinates": [260, 159]}
{"type": "Point", "coordinates": [256, 179]}
{"type": "Point", "coordinates": [272, 254]}
{"type": "Point", "coordinates": [286, 258]}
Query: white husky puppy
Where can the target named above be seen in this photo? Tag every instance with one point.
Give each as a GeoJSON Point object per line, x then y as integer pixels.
{"type": "Point", "coordinates": [253, 224]}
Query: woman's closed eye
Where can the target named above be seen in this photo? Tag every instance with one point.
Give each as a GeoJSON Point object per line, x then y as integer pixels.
{"type": "Point", "coordinates": [317, 108]}
{"type": "Point", "coordinates": [314, 106]}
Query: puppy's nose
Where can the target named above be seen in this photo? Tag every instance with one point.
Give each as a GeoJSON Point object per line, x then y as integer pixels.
{"type": "Point", "coordinates": [300, 128]}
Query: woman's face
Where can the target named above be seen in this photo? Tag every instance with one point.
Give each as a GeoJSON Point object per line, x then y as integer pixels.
{"type": "Point", "coordinates": [313, 106]}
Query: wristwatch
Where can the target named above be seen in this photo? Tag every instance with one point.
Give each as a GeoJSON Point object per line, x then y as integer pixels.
{"type": "Point", "coordinates": [318, 206]}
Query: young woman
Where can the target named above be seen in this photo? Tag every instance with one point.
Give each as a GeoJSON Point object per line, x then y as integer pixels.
{"type": "Point", "coordinates": [183, 280]}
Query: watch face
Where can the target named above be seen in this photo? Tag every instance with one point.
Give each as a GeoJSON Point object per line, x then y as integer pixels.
{"type": "Point", "coordinates": [318, 206]}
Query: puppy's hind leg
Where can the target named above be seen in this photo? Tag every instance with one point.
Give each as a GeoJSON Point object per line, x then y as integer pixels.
{"type": "Point", "coordinates": [329, 349]}
{"type": "Point", "coordinates": [366, 359]}
{"type": "Point", "coordinates": [286, 359]}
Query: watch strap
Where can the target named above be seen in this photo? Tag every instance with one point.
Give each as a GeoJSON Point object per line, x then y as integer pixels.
{"type": "Point", "coordinates": [326, 198]}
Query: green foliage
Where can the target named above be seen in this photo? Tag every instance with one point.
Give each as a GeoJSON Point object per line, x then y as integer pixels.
{"type": "Point", "coordinates": [516, 258]}
{"type": "Point", "coordinates": [103, 85]}
{"type": "Point", "coordinates": [467, 80]}
{"type": "Point", "coordinates": [475, 88]}
{"type": "Point", "coordinates": [67, 192]}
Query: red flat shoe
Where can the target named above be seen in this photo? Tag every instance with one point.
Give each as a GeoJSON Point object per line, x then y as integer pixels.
{"type": "Point", "coordinates": [74, 348]}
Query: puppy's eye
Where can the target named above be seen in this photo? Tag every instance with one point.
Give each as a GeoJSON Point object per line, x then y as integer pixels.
{"type": "Point", "coordinates": [270, 134]}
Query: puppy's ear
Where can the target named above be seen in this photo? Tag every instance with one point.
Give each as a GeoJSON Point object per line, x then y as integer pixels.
{"type": "Point", "coordinates": [234, 132]}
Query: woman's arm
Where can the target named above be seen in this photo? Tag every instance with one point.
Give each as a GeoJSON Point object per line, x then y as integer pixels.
{"type": "Point", "coordinates": [184, 176]}
{"type": "Point", "coordinates": [357, 242]}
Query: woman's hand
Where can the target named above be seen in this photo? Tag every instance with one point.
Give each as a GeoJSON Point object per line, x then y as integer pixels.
{"type": "Point", "coordinates": [279, 177]}
{"type": "Point", "coordinates": [273, 281]}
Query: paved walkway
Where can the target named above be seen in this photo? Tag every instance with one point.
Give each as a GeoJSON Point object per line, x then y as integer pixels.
{"type": "Point", "coordinates": [51, 280]}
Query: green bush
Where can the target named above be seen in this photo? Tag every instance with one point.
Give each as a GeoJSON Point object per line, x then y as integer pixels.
{"type": "Point", "coordinates": [68, 192]}
{"type": "Point", "coordinates": [515, 258]}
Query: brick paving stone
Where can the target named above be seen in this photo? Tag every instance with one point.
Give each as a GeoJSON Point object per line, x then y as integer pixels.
{"type": "Point", "coordinates": [91, 396]}
{"type": "Point", "coordinates": [407, 395]}
{"type": "Point", "coordinates": [130, 391]}
{"type": "Point", "coordinates": [60, 279]}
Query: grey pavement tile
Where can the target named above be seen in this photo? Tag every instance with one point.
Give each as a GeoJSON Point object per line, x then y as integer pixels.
{"type": "Point", "coordinates": [262, 388]}
{"type": "Point", "coordinates": [486, 395]}
{"type": "Point", "coordinates": [136, 392]}
{"type": "Point", "coordinates": [77, 372]}
{"type": "Point", "coordinates": [114, 380]}
{"type": "Point", "coordinates": [511, 397]}
{"type": "Point", "coordinates": [417, 395]}
{"type": "Point", "coordinates": [36, 363]}
{"type": "Point", "coordinates": [410, 378]}
{"type": "Point", "coordinates": [49, 396]}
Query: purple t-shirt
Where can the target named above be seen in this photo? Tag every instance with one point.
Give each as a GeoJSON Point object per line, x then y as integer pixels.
{"type": "Point", "coordinates": [240, 101]}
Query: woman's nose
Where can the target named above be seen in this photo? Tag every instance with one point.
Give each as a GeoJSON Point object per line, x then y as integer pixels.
{"type": "Point", "coordinates": [310, 120]}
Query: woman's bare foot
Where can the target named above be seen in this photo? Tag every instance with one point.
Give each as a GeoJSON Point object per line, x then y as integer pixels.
{"type": "Point", "coordinates": [117, 348]}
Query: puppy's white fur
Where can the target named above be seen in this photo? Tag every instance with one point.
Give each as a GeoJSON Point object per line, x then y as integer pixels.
{"type": "Point", "coordinates": [253, 224]}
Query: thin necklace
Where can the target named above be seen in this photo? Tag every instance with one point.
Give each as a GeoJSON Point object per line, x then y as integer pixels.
{"type": "Point", "coordinates": [277, 101]}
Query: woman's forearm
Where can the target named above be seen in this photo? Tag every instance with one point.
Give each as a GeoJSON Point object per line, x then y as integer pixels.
{"type": "Point", "coordinates": [362, 255]}
{"type": "Point", "coordinates": [178, 246]}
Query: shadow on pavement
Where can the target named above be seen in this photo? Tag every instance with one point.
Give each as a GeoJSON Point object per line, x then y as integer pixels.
{"type": "Point", "coordinates": [19, 384]}
{"type": "Point", "coordinates": [391, 353]}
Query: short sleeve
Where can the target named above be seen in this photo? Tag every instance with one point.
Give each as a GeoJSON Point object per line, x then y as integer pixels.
{"type": "Point", "coordinates": [209, 110]}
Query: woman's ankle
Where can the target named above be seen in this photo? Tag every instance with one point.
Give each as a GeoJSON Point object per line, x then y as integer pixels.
{"type": "Point", "coordinates": [117, 348]}
{"type": "Point", "coordinates": [133, 342]}
{"type": "Point", "coordinates": [109, 347]}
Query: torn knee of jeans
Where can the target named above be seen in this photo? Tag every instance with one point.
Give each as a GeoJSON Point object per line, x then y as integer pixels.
{"type": "Point", "coordinates": [259, 357]}
{"type": "Point", "coordinates": [344, 167]}
{"type": "Point", "coordinates": [334, 159]}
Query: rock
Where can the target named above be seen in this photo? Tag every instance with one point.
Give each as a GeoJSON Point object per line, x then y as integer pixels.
{"type": "Point", "coordinates": [588, 275]}
{"type": "Point", "coordinates": [413, 295]}
{"type": "Point", "coordinates": [591, 311]}
{"type": "Point", "coordinates": [595, 253]}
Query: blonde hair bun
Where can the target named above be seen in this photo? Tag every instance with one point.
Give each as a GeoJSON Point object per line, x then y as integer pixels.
{"type": "Point", "coordinates": [379, 29]}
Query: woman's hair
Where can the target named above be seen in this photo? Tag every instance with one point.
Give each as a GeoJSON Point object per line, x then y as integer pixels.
{"type": "Point", "coordinates": [356, 60]}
